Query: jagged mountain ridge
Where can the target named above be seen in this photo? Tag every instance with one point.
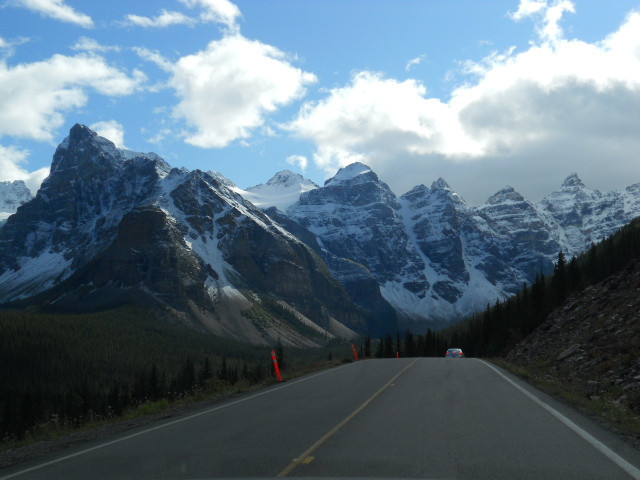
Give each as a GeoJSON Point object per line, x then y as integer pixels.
{"type": "Point", "coordinates": [111, 226]}
{"type": "Point", "coordinates": [426, 256]}
{"type": "Point", "coordinates": [437, 258]}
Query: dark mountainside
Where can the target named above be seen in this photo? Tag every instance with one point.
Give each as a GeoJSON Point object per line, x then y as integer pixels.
{"type": "Point", "coordinates": [111, 227]}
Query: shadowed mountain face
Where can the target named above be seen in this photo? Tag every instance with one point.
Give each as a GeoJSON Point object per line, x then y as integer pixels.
{"type": "Point", "coordinates": [110, 226]}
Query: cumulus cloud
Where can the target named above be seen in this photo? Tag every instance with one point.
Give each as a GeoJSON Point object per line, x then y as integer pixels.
{"type": "Point", "coordinates": [226, 90]}
{"type": "Point", "coordinates": [43, 91]}
{"type": "Point", "coordinates": [11, 159]}
{"type": "Point", "coordinates": [299, 161]}
{"type": "Point", "coordinates": [380, 118]}
{"type": "Point", "coordinates": [111, 130]}
{"type": "Point", "coordinates": [165, 19]}
{"type": "Point", "coordinates": [521, 117]}
{"type": "Point", "coordinates": [56, 9]}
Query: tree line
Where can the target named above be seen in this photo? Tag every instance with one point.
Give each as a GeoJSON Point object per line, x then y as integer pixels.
{"type": "Point", "coordinates": [73, 369]}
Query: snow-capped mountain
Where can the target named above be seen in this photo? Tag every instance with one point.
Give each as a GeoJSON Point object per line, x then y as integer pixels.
{"type": "Point", "coordinates": [287, 259]}
{"type": "Point", "coordinates": [585, 216]}
{"type": "Point", "coordinates": [12, 195]}
{"type": "Point", "coordinates": [436, 258]}
{"type": "Point", "coordinates": [110, 226]}
{"type": "Point", "coordinates": [281, 191]}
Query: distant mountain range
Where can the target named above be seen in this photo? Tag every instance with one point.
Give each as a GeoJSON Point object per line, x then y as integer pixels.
{"type": "Point", "coordinates": [287, 259]}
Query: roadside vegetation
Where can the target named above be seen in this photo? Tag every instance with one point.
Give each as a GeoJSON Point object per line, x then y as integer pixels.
{"type": "Point", "coordinates": [606, 407]}
{"type": "Point", "coordinates": [64, 372]}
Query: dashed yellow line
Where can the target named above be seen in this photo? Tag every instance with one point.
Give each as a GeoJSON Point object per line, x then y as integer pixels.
{"type": "Point", "coordinates": [304, 458]}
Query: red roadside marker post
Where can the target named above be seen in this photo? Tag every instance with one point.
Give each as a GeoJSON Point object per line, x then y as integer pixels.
{"type": "Point", "coordinates": [275, 365]}
{"type": "Point", "coordinates": [355, 353]}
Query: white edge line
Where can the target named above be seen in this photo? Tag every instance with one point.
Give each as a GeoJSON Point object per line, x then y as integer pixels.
{"type": "Point", "coordinates": [610, 454]}
{"type": "Point", "coordinates": [173, 422]}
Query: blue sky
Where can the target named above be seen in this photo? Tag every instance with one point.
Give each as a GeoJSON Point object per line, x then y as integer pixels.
{"type": "Point", "coordinates": [484, 94]}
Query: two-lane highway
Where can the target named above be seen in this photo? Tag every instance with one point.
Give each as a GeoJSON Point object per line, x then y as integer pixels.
{"type": "Point", "coordinates": [422, 418]}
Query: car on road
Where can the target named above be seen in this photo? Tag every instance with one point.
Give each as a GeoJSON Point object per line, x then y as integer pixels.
{"type": "Point", "coordinates": [454, 353]}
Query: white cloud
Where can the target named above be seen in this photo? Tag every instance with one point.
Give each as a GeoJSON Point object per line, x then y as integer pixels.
{"type": "Point", "coordinates": [414, 61]}
{"type": "Point", "coordinates": [380, 118]}
{"type": "Point", "coordinates": [165, 19]}
{"type": "Point", "coordinates": [153, 56]}
{"type": "Point", "coordinates": [548, 16]}
{"type": "Point", "coordinates": [526, 118]}
{"type": "Point", "coordinates": [56, 9]}
{"type": "Point", "coordinates": [87, 44]}
{"type": "Point", "coordinates": [299, 161]}
{"type": "Point", "coordinates": [8, 46]}
{"type": "Point", "coordinates": [41, 92]}
{"type": "Point", "coordinates": [217, 11]}
{"type": "Point", "coordinates": [226, 89]}
{"type": "Point", "coordinates": [11, 159]}
{"type": "Point", "coordinates": [111, 130]}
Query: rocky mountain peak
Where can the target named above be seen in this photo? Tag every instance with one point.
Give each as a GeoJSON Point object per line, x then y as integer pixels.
{"type": "Point", "coordinates": [508, 193]}
{"type": "Point", "coordinates": [219, 177]}
{"type": "Point", "coordinates": [355, 173]}
{"type": "Point", "coordinates": [572, 181]}
{"type": "Point", "coordinates": [286, 178]}
{"type": "Point", "coordinates": [440, 184]}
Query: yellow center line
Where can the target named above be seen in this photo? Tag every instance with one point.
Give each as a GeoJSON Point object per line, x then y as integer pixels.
{"type": "Point", "coordinates": [334, 430]}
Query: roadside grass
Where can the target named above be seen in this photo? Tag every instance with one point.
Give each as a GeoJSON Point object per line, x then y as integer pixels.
{"type": "Point", "coordinates": [608, 406]}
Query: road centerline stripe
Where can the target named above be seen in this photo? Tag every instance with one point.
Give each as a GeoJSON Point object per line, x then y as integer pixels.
{"type": "Point", "coordinates": [300, 459]}
{"type": "Point", "coordinates": [610, 454]}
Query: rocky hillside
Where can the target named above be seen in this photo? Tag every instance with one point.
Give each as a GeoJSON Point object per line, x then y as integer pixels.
{"type": "Point", "coordinates": [590, 344]}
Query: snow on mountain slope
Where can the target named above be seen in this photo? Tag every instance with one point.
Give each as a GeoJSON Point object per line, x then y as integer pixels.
{"type": "Point", "coordinates": [436, 258]}
{"type": "Point", "coordinates": [456, 249]}
{"type": "Point", "coordinates": [111, 226]}
{"type": "Point", "coordinates": [110, 223]}
{"type": "Point", "coordinates": [12, 195]}
{"type": "Point", "coordinates": [281, 191]}
{"type": "Point", "coordinates": [586, 216]}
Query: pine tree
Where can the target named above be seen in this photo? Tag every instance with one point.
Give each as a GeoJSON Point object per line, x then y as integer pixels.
{"type": "Point", "coordinates": [367, 346]}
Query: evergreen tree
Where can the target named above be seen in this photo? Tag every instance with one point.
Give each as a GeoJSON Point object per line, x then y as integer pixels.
{"type": "Point", "coordinates": [280, 356]}
{"type": "Point", "coordinates": [223, 373]}
{"type": "Point", "coordinates": [380, 349]}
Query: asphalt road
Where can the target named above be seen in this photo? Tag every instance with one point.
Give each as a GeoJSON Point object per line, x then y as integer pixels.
{"type": "Point", "coordinates": [396, 418]}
